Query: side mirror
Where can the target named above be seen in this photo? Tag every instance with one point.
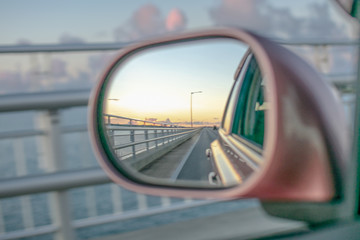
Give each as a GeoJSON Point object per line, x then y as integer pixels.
{"type": "Point", "coordinates": [282, 134]}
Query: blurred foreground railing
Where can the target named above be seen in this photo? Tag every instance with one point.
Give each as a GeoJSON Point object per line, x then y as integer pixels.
{"type": "Point", "coordinates": [59, 180]}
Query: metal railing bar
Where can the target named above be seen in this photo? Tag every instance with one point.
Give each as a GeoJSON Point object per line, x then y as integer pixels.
{"type": "Point", "coordinates": [318, 42]}
{"type": "Point", "coordinates": [141, 201]}
{"type": "Point", "coordinates": [52, 182]}
{"type": "Point", "coordinates": [136, 134]}
{"type": "Point", "coordinates": [21, 170]}
{"type": "Point", "coordinates": [126, 135]}
{"type": "Point", "coordinates": [88, 222]}
{"type": "Point", "coordinates": [138, 120]}
{"type": "Point", "coordinates": [340, 78]}
{"type": "Point", "coordinates": [80, 47]}
{"type": "Point", "coordinates": [116, 198]}
{"type": "Point", "coordinates": [44, 100]}
{"type": "Point", "coordinates": [133, 119]}
{"type": "Point", "coordinates": [21, 134]}
{"type": "Point", "coordinates": [2, 222]}
{"type": "Point", "coordinates": [125, 128]}
{"type": "Point", "coordinates": [153, 139]}
{"type": "Point", "coordinates": [5, 49]}
{"type": "Point", "coordinates": [32, 232]}
{"type": "Point", "coordinates": [165, 201]}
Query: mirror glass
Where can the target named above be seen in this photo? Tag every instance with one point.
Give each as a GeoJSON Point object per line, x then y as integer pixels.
{"type": "Point", "coordinates": [163, 110]}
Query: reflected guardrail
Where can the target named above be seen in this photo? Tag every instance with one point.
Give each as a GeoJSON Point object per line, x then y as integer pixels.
{"type": "Point", "coordinates": [140, 142]}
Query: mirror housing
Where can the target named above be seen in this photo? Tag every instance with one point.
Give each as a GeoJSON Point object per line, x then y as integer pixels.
{"type": "Point", "coordinates": [305, 131]}
{"type": "Point", "coordinates": [351, 7]}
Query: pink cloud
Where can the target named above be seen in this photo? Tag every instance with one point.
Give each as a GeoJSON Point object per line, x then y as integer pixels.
{"type": "Point", "coordinates": [147, 22]}
{"type": "Point", "coordinates": [236, 12]}
{"type": "Point", "coordinates": [280, 21]}
{"type": "Point", "coordinates": [144, 23]}
{"type": "Point", "coordinates": [175, 20]}
{"type": "Point", "coordinates": [147, 19]}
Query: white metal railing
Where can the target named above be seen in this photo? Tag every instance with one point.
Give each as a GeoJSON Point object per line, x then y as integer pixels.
{"type": "Point", "coordinates": [45, 48]}
{"type": "Point", "coordinates": [139, 143]}
{"type": "Point", "coordinates": [126, 121]}
{"type": "Point", "coordinates": [133, 137]}
{"type": "Point", "coordinates": [57, 181]}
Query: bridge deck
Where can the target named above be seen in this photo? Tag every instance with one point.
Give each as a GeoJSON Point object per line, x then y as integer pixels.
{"type": "Point", "coordinates": [187, 162]}
{"type": "Point", "coordinates": [165, 166]}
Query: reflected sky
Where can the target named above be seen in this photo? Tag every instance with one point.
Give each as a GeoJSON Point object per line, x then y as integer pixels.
{"type": "Point", "coordinates": [157, 83]}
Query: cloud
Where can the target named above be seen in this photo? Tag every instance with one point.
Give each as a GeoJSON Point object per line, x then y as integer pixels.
{"type": "Point", "coordinates": [241, 13]}
{"type": "Point", "coordinates": [67, 38]}
{"type": "Point", "coordinates": [279, 22]}
{"type": "Point", "coordinates": [175, 20]}
{"type": "Point", "coordinates": [147, 22]}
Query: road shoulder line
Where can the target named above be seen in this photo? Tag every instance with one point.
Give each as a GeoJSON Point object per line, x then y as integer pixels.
{"type": "Point", "coordinates": [177, 171]}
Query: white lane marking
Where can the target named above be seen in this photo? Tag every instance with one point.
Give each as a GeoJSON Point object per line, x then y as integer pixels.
{"type": "Point", "coordinates": [177, 171]}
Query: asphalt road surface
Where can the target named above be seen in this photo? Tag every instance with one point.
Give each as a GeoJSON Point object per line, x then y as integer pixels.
{"type": "Point", "coordinates": [196, 166]}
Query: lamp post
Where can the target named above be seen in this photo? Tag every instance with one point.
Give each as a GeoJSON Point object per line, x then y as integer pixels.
{"type": "Point", "coordinates": [191, 105]}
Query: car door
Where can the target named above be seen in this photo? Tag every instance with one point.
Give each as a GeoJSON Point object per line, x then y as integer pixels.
{"type": "Point", "coordinates": [242, 128]}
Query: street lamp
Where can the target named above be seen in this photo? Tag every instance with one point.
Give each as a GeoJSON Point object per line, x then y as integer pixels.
{"type": "Point", "coordinates": [191, 105]}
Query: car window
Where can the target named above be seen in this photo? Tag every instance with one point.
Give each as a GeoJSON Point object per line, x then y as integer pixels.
{"type": "Point", "coordinates": [249, 118]}
{"type": "Point", "coordinates": [227, 120]}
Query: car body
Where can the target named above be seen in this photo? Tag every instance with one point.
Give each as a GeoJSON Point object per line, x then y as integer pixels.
{"type": "Point", "coordinates": [249, 130]}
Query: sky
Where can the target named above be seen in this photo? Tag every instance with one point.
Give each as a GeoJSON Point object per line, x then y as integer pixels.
{"type": "Point", "coordinates": [44, 21]}
{"type": "Point", "coordinates": [157, 83]}
{"type": "Point", "coordinates": [25, 22]}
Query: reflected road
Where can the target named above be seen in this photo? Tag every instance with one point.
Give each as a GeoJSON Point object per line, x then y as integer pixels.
{"type": "Point", "coordinates": [197, 166]}
{"type": "Point", "coordinates": [186, 162]}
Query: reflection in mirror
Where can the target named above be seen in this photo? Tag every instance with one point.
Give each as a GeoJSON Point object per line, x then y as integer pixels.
{"type": "Point", "coordinates": [163, 108]}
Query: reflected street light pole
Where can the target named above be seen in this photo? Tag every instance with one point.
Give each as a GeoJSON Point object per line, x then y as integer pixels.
{"type": "Point", "coordinates": [191, 105]}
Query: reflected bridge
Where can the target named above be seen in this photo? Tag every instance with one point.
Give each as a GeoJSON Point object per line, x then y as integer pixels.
{"type": "Point", "coordinates": [161, 150]}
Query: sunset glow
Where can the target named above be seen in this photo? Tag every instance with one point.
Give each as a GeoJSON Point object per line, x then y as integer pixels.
{"type": "Point", "coordinates": [157, 84]}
